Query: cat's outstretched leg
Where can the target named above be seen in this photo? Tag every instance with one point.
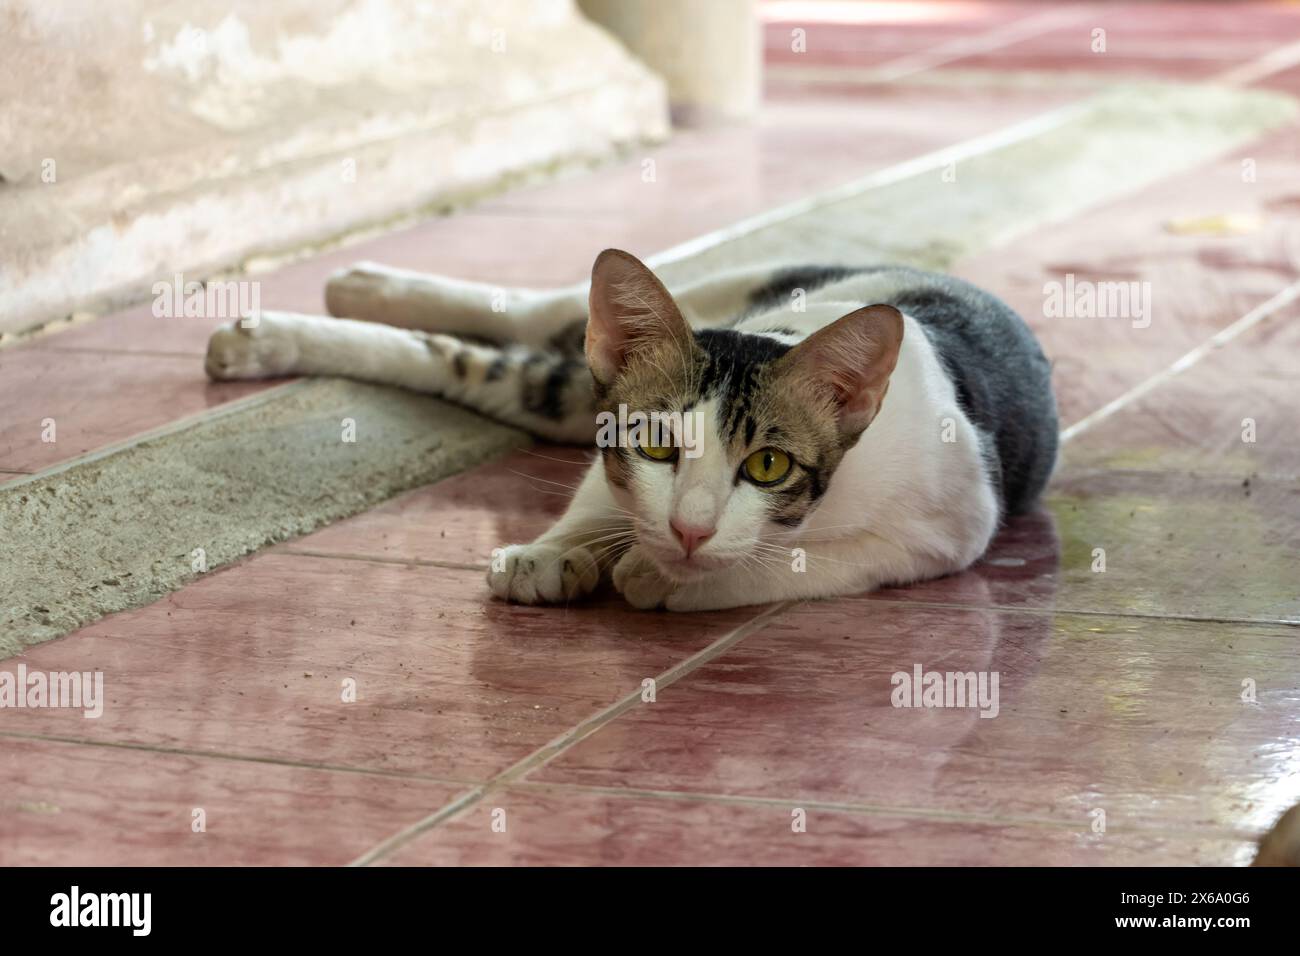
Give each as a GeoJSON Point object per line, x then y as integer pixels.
{"type": "Point", "coordinates": [568, 560]}
{"type": "Point", "coordinates": [545, 392]}
{"type": "Point", "coordinates": [542, 319]}
{"type": "Point", "coordinates": [434, 303]}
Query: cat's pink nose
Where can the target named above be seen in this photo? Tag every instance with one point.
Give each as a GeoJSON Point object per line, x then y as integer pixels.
{"type": "Point", "coordinates": [691, 536]}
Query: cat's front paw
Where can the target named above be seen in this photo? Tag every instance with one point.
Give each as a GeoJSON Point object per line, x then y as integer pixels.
{"type": "Point", "coordinates": [264, 347]}
{"type": "Point", "coordinates": [542, 573]}
{"type": "Point", "coordinates": [640, 581]}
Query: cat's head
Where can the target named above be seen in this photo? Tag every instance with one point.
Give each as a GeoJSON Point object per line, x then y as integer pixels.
{"type": "Point", "coordinates": [763, 424]}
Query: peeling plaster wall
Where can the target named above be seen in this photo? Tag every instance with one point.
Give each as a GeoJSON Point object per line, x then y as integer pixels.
{"type": "Point", "coordinates": [140, 137]}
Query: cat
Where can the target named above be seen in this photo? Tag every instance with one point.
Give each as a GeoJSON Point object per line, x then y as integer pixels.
{"type": "Point", "coordinates": [857, 426]}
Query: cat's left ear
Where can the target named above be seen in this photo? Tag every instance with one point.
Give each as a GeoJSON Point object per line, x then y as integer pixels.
{"type": "Point", "coordinates": [849, 362]}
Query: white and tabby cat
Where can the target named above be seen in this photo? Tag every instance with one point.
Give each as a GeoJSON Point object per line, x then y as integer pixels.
{"type": "Point", "coordinates": [861, 426]}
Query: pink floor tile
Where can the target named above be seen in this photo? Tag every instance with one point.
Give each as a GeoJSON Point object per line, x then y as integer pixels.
{"type": "Point", "coordinates": [95, 399]}
{"type": "Point", "coordinates": [1231, 414]}
{"type": "Point", "coordinates": [861, 37]}
{"type": "Point", "coordinates": [1198, 284]}
{"type": "Point", "coordinates": [253, 660]}
{"type": "Point", "coordinates": [550, 827]}
{"type": "Point", "coordinates": [1142, 719]}
{"type": "Point", "coordinates": [73, 805]}
{"type": "Point", "coordinates": [1165, 41]}
{"type": "Point", "coordinates": [461, 519]}
{"type": "Point", "coordinates": [1217, 548]}
{"type": "Point", "coordinates": [136, 329]}
{"type": "Point", "coordinates": [1285, 81]}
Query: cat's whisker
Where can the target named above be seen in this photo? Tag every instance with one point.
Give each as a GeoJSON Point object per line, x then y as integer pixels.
{"type": "Point", "coordinates": [562, 461]}
{"type": "Point", "coordinates": [548, 481]}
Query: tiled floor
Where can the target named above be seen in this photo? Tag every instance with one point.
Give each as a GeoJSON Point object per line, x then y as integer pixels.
{"type": "Point", "coordinates": [354, 695]}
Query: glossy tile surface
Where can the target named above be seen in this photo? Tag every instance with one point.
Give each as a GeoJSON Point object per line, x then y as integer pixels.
{"type": "Point", "coordinates": [1186, 41]}
{"type": "Point", "coordinates": [1142, 719]}
{"type": "Point", "coordinates": [1159, 543]}
{"type": "Point", "coordinates": [257, 660]}
{"type": "Point", "coordinates": [545, 827]}
{"type": "Point", "coordinates": [1232, 415]}
{"type": "Point", "coordinates": [72, 805]}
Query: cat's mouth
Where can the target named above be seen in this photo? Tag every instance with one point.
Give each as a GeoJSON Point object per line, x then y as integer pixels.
{"type": "Point", "coordinates": [677, 567]}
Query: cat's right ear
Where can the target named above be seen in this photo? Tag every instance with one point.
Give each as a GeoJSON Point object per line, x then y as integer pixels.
{"type": "Point", "coordinates": [629, 310]}
{"type": "Point", "coordinates": [849, 363]}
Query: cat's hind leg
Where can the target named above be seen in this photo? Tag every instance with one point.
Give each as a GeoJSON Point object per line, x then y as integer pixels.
{"type": "Point", "coordinates": [545, 392]}
{"type": "Point", "coordinates": [540, 318]}
{"type": "Point", "coordinates": [434, 303]}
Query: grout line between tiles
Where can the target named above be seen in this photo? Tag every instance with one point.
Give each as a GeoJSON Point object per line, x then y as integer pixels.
{"type": "Point", "coordinates": [1004, 35]}
{"type": "Point", "coordinates": [1252, 318]}
{"type": "Point", "coordinates": [380, 559]}
{"type": "Point", "coordinates": [869, 809]}
{"type": "Point", "coordinates": [1056, 611]}
{"type": "Point", "coordinates": [1211, 471]}
{"type": "Point", "coordinates": [235, 758]}
{"type": "Point", "coordinates": [876, 809]}
{"type": "Point", "coordinates": [573, 735]}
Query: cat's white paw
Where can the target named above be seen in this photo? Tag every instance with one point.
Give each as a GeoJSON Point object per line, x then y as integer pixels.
{"type": "Point", "coordinates": [640, 581]}
{"type": "Point", "coordinates": [542, 573]}
{"type": "Point", "coordinates": [267, 348]}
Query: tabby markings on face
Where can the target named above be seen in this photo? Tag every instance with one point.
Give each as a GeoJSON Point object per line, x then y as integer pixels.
{"type": "Point", "coordinates": [777, 435]}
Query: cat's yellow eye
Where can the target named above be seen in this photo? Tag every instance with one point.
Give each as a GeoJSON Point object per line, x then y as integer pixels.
{"type": "Point", "coordinates": [767, 466]}
{"type": "Point", "coordinates": [658, 452]}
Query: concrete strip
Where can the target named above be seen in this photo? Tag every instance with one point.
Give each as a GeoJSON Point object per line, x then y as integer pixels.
{"type": "Point", "coordinates": [118, 530]}
{"type": "Point", "coordinates": [937, 208]}
{"type": "Point", "coordinates": [121, 530]}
